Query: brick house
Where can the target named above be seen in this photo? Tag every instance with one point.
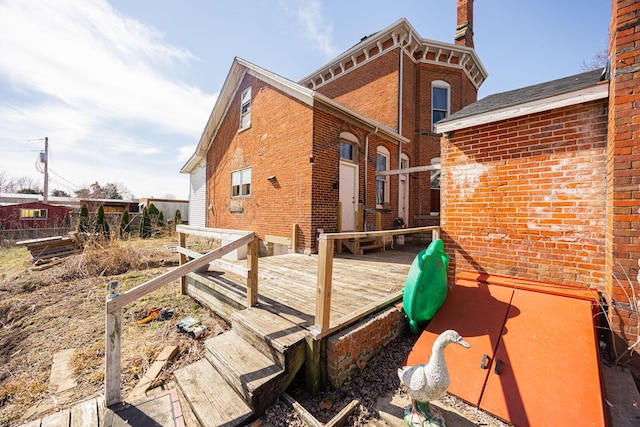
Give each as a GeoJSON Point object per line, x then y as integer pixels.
{"type": "Point", "coordinates": [276, 152]}
{"type": "Point", "coordinates": [543, 182]}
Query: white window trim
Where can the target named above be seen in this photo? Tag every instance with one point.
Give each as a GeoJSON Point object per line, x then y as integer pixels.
{"type": "Point", "coordinates": [442, 85]}
{"type": "Point", "coordinates": [245, 99]}
{"type": "Point", "coordinates": [244, 177]}
{"type": "Point", "coordinates": [382, 151]}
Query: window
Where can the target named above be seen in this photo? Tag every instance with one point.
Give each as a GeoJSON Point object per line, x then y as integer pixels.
{"type": "Point", "coordinates": [347, 151]}
{"type": "Point", "coordinates": [241, 183]}
{"type": "Point", "coordinates": [435, 188]}
{"type": "Point", "coordinates": [439, 101]}
{"type": "Point", "coordinates": [382, 181]}
{"type": "Point", "coordinates": [348, 146]}
{"type": "Point", "coordinates": [33, 213]}
{"type": "Point", "coordinates": [245, 108]}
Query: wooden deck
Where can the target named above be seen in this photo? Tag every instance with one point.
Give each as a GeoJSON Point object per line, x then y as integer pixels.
{"type": "Point", "coordinates": [288, 284]}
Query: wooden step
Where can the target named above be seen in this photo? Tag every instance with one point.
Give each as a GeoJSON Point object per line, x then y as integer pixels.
{"type": "Point", "coordinates": [273, 335]}
{"type": "Point", "coordinates": [212, 400]}
{"type": "Point", "coordinates": [216, 294]}
{"type": "Point", "coordinates": [252, 374]}
{"type": "Point", "coordinates": [364, 248]}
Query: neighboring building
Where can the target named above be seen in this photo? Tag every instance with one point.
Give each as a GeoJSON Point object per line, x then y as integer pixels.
{"type": "Point", "coordinates": [168, 207]}
{"type": "Point", "coordinates": [543, 182]}
{"type": "Point", "coordinates": [110, 205]}
{"type": "Point", "coordinates": [33, 215]}
{"type": "Point", "coordinates": [276, 153]}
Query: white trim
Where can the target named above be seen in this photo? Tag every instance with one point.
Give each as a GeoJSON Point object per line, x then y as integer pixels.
{"type": "Point", "coordinates": [383, 151]}
{"type": "Point", "coordinates": [239, 68]}
{"type": "Point", "coordinates": [405, 36]}
{"type": "Point", "coordinates": [593, 93]}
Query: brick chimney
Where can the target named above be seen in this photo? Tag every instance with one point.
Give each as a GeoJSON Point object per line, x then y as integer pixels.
{"type": "Point", "coordinates": [464, 26]}
{"type": "Point", "coordinates": [623, 170]}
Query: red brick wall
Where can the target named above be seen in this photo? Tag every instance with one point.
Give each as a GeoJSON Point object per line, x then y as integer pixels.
{"type": "Point", "coordinates": [327, 129]}
{"type": "Point", "coordinates": [359, 343]}
{"type": "Point", "coordinates": [525, 197]}
{"type": "Point", "coordinates": [623, 170]}
{"type": "Point", "coordinates": [371, 89]}
{"type": "Point", "coordinates": [278, 143]}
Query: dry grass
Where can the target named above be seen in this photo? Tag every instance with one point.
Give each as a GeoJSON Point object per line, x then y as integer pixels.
{"type": "Point", "coordinates": [43, 312]}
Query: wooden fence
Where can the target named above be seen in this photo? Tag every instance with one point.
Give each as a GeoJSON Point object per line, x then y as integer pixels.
{"type": "Point", "coordinates": [116, 301]}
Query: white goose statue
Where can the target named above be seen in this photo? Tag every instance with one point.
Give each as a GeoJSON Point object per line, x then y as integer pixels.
{"type": "Point", "coordinates": [429, 381]}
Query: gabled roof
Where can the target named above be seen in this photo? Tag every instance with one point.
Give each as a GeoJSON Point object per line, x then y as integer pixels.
{"type": "Point", "coordinates": [562, 92]}
{"type": "Point", "coordinates": [400, 34]}
{"type": "Point", "coordinates": [238, 70]}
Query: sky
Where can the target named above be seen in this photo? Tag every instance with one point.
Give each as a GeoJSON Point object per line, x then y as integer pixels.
{"type": "Point", "coordinates": [123, 88]}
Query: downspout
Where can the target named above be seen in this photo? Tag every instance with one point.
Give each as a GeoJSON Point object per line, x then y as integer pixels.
{"type": "Point", "coordinates": [400, 81]}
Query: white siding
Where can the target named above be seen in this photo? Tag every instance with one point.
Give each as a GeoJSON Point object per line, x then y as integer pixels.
{"type": "Point", "coordinates": [198, 195]}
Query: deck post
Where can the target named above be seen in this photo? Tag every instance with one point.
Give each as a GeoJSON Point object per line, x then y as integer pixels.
{"type": "Point", "coordinates": [378, 227]}
{"type": "Point", "coordinates": [325, 273]}
{"type": "Point", "coordinates": [435, 234]}
{"type": "Point", "coordinates": [252, 266]}
{"type": "Point", "coordinates": [315, 365]}
{"type": "Point", "coordinates": [113, 330]}
{"type": "Point", "coordinates": [294, 238]}
{"type": "Point", "coordinates": [182, 242]}
{"type": "Point", "coordinates": [339, 248]}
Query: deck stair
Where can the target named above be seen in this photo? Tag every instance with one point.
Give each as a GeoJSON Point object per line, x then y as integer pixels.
{"type": "Point", "coordinates": [358, 246]}
{"type": "Point", "coordinates": [246, 368]}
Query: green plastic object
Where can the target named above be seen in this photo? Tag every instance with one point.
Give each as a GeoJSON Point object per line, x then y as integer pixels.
{"type": "Point", "coordinates": [426, 286]}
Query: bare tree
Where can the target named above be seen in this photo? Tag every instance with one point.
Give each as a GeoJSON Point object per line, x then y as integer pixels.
{"type": "Point", "coordinates": [598, 62]}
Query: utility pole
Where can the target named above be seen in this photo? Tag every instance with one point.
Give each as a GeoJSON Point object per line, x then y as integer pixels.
{"type": "Point", "coordinates": [44, 158]}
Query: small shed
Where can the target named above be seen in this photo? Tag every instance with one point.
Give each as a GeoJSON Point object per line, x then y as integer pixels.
{"type": "Point", "coordinates": [33, 215]}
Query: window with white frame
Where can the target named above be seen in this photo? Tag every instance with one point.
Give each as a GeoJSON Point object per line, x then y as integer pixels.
{"type": "Point", "coordinates": [439, 101]}
{"type": "Point", "coordinates": [241, 183]}
{"type": "Point", "coordinates": [382, 181]}
{"type": "Point", "coordinates": [245, 108]}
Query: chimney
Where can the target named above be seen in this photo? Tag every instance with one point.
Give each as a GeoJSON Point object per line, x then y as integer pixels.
{"type": "Point", "coordinates": [464, 27]}
{"type": "Point", "coordinates": [623, 173]}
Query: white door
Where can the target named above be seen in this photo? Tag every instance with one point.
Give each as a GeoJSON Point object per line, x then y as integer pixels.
{"type": "Point", "coordinates": [348, 194]}
{"type": "Point", "coordinates": [403, 190]}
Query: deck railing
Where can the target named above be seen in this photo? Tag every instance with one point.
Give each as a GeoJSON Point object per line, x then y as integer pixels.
{"type": "Point", "coordinates": [326, 247]}
{"type": "Point", "coordinates": [116, 301]}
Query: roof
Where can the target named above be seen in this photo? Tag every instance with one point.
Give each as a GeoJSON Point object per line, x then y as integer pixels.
{"type": "Point", "coordinates": [239, 69]}
{"type": "Point", "coordinates": [571, 90]}
{"type": "Point", "coordinates": [401, 34]}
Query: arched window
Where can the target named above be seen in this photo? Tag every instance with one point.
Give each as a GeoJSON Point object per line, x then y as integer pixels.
{"type": "Point", "coordinates": [382, 181]}
{"type": "Point", "coordinates": [435, 187]}
{"type": "Point", "coordinates": [348, 147]}
{"type": "Point", "coordinates": [440, 101]}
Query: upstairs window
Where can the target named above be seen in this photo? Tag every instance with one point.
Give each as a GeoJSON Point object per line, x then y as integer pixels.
{"type": "Point", "coordinates": [439, 101]}
{"type": "Point", "coordinates": [382, 181]}
{"type": "Point", "coordinates": [245, 108]}
{"type": "Point", "coordinates": [241, 183]}
{"type": "Point", "coordinates": [33, 213]}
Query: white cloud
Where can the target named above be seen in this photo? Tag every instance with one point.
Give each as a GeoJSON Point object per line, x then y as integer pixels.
{"type": "Point", "coordinates": [95, 82]}
{"type": "Point", "coordinates": [316, 27]}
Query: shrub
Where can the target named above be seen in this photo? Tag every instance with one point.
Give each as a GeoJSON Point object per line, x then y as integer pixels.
{"type": "Point", "coordinates": [83, 220]}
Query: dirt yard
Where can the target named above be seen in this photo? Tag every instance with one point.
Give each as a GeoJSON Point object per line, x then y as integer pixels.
{"type": "Point", "coordinates": [62, 307]}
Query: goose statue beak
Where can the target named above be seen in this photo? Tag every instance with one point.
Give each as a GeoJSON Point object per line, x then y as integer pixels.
{"type": "Point", "coordinates": [464, 343]}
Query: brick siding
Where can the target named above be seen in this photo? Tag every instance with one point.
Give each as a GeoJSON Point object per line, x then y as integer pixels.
{"type": "Point", "coordinates": [360, 343]}
{"type": "Point", "coordinates": [623, 171]}
{"type": "Point", "coordinates": [524, 197]}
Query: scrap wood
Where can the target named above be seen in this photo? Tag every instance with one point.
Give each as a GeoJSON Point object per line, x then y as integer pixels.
{"type": "Point", "coordinates": [337, 421]}
{"type": "Point", "coordinates": [144, 385]}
